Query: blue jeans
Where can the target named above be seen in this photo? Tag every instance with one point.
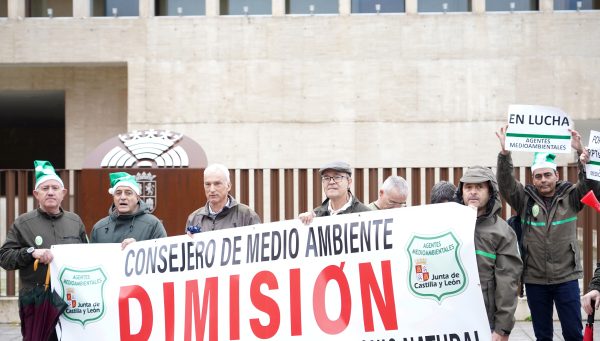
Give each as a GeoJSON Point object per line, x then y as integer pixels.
{"type": "Point", "coordinates": [565, 296]}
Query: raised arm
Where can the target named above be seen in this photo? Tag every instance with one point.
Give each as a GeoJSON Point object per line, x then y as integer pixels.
{"type": "Point", "coordinates": [511, 190]}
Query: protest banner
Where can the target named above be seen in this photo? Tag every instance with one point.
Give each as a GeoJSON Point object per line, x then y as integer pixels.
{"type": "Point", "coordinates": [401, 274]}
{"type": "Point", "coordinates": [592, 168]}
{"type": "Point", "coordinates": [534, 128]}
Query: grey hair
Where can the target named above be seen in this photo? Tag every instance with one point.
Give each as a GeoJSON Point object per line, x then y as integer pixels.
{"type": "Point", "coordinates": [397, 182]}
{"type": "Point", "coordinates": [443, 191]}
{"type": "Point", "coordinates": [218, 168]}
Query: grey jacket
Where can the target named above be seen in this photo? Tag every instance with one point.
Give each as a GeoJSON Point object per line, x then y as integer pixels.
{"type": "Point", "coordinates": [498, 261]}
{"type": "Point", "coordinates": [233, 215]}
{"type": "Point", "coordinates": [355, 206]}
{"type": "Point", "coordinates": [48, 230]}
{"type": "Point", "coordinates": [551, 253]}
{"type": "Point", "coordinates": [116, 227]}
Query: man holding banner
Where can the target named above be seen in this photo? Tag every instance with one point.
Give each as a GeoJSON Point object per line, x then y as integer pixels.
{"type": "Point", "coordinates": [33, 233]}
{"type": "Point", "coordinates": [129, 218]}
{"type": "Point", "coordinates": [498, 261]}
{"type": "Point", "coordinates": [548, 210]}
{"type": "Point", "coordinates": [336, 178]}
{"type": "Point", "coordinates": [221, 211]}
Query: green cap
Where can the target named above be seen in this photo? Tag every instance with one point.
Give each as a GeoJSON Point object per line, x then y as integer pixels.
{"type": "Point", "coordinates": [44, 172]}
{"type": "Point", "coordinates": [543, 160]}
{"type": "Point", "coordinates": [123, 179]}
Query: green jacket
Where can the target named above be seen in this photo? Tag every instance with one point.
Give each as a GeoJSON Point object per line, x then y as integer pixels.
{"type": "Point", "coordinates": [550, 251]}
{"type": "Point", "coordinates": [355, 206]}
{"type": "Point", "coordinates": [45, 229]}
{"type": "Point", "coordinates": [140, 225]}
{"type": "Point", "coordinates": [232, 215]}
{"type": "Point", "coordinates": [498, 261]}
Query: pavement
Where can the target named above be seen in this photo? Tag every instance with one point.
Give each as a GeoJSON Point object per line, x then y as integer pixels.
{"type": "Point", "coordinates": [523, 331]}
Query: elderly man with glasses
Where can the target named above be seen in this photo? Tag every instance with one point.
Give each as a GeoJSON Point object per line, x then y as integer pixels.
{"type": "Point", "coordinates": [336, 178]}
{"type": "Point", "coordinates": [392, 194]}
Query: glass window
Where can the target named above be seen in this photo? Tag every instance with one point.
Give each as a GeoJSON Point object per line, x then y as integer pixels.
{"type": "Point", "coordinates": [562, 5]}
{"type": "Point", "coordinates": [180, 7]}
{"type": "Point", "coordinates": [237, 7]}
{"type": "Point", "coordinates": [49, 8]}
{"type": "Point", "coordinates": [3, 8]}
{"type": "Point", "coordinates": [121, 8]}
{"type": "Point", "coordinates": [311, 7]}
{"type": "Point", "coordinates": [444, 5]}
{"type": "Point", "coordinates": [385, 6]}
{"type": "Point", "coordinates": [511, 5]}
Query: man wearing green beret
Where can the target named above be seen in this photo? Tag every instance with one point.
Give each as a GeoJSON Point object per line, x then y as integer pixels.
{"type": "Point", "coordinates": [129, 218]}
{"type": "Point", "coordinates": [33, 233]}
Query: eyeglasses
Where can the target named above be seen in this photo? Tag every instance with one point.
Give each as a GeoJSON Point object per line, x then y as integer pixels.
{"type": "Point", "coordinates": [336, 178]}
{"type": "Point", "coordinates": [393, 204]}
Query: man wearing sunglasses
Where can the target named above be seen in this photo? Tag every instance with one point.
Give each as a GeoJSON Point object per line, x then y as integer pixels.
{"type": "Point", "coordinates": [336, 178]}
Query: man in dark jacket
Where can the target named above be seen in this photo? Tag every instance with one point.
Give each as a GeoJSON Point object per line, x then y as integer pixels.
{"type": "Point", "coordinates": [498, 261]}
{"type": "Point", "coordinates": [221, 211]}
{"type": "Point", "coordinates": [550, 250]}
{"type": "Point", "coordinates": [336, 178]}
{"type": "Point", "coordinates": [33, 233]}
{"type": "Point", "coordinates": [129, 218]}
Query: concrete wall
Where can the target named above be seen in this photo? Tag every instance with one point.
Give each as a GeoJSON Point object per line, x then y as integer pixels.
{"type": "Point", "coordinates": [295, 91]}
{"type": "Point", "coordinates": [95, 96]}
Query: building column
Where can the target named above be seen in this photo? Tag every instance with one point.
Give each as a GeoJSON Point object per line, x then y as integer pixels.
{"type": "Point", "coordinates": [546, 5]}
{"type": "Point", "coordinates": [478, 6]}
{"type": "Point", "coordinates": [213, 8]}
{"type": "Point", "coordinates": [277, 8]}
{"type": "Point", "coordinates": [411, 6]}
{"type": "Point", "coordinates": [82, 9]}
{"type": "Point", "coordinates": [16, 9]}
{"type": "Point", "coordinates": [146, 8]}
{"type": "Point", "coordinates": [345, 7]}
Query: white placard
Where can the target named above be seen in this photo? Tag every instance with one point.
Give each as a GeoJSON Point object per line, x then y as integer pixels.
{"type": "Point", "coordinates": [534, 128]}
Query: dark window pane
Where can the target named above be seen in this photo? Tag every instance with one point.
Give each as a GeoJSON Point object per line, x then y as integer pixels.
{"type": "Point", "coordinates": [54, 8]}
{"type": "Point", "coordinates": [3, 8]}
{"type": "Point", "coordinates": [124, 8]}
{"type": "Point", "coordinates": [188, 7]}
{"type": "Point", "coordinates": [385, 6]}
{"type": "Point", "coordinates": [254, 7]}
{"type": "Point", "coordinates": [504, 5]}
{"type": "Point", "coordinates": [438, 5]}
{"type": "Point", "coordinates": [571, 5]}
{"type": "Point", "coordinates": [319, 6]}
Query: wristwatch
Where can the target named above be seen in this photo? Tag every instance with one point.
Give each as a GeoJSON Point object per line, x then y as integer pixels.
{"type": "Point", "coordinates": [30, 250]}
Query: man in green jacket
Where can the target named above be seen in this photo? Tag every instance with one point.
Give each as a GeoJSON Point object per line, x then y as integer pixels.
{"type": "Point", "coordinates": [33, 233]}
{"type": "Point", "coordinates": [548, 210]}
{"type": "Point", "coordinates": [497, 252]}
{"type": "Point", "coordinates": [221, 211]}
{"type": "Point", "coordinates": [336, 178]}
{"type": "Point", "coordinates": [129, 218]}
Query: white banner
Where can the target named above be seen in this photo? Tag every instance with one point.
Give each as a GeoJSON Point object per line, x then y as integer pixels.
{"type": "Point", "coordinates": [392, 274]}
{"type": "Point", "coordinates": [534, 128]}
{"type": "Point", "coordinates": [592, 168]}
